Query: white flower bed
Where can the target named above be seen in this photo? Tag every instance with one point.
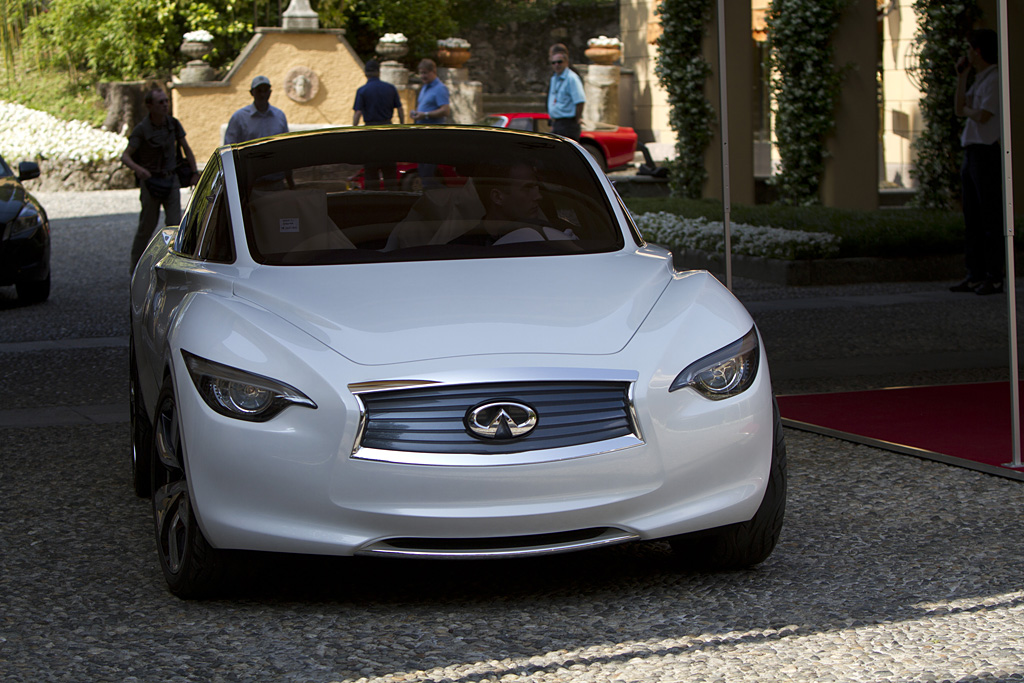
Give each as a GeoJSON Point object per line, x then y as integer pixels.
{"type": "Point", "coordinates": [27, 134]}
{"type": "Point", "coordinates": [394, 38]}
{"type": "Point", "coordinates": [674, 231]}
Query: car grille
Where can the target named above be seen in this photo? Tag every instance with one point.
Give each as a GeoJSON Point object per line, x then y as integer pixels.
{"type": "Point", "coordinates": [432, 419]}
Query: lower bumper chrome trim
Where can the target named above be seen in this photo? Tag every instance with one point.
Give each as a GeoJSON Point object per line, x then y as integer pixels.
{"type": "Point", "coordinates": [497, 548]}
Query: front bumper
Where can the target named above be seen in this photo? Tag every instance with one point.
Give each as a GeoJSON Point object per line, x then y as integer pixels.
{"type": "Point", "coordinates": [294, 484]}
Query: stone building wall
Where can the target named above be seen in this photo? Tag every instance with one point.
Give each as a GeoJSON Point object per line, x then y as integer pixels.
{"type": "Point", "coordinates": [513, 58]}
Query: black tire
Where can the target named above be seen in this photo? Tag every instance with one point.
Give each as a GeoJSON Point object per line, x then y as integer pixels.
{"type": "Point", "coordinates": [33, 292]}
{"type": "Point", "coordinates": [595, 151]}
{"type": "Point", "coordinates": [141, 431]}
{"type": "Point", "coordinates": [743, 545]}
{"type": "Point", "coordinates": [192, 568]}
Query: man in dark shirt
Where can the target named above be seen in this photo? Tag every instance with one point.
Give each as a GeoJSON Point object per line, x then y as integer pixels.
{"type": "Point", "coordinates": [152, 153]}
{"type": "Point", "coordinates": [376, 102]}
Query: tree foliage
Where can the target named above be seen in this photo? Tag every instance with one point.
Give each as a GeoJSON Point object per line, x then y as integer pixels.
{"type": "Point", "coordinates": [112, 39]}
{"type": "Point", "coordinates": [682, 71]}
{"type": "Point", "coordinates": [15, 15]}
{"type": "Point", "coordinates": [422, 22]}
{"type": "Point", "coordinates": [941, 38]}
{"type": "Point", "coordinates": [805, 85]}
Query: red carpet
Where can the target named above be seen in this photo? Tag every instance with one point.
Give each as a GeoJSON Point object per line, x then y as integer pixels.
{"type": "Point", "coordinates": [964, 424]}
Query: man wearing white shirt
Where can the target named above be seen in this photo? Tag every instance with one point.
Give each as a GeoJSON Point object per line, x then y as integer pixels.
{"type": "Point", "coordinates": [981, 172]}
{"type": "Point", "coordinates": [257, 120]}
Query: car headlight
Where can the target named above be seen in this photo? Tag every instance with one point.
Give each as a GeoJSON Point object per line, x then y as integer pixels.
{"type": "Point", "coordinates": [240, 394]}
{"type": "Point", "coordinates": [28, 221]}
{"type": "Point", "coordinates": [724, 373]}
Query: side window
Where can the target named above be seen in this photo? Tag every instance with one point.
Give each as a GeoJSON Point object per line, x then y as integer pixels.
{"type": "Point", "coordinates": [216, 243]}
{"type": "Point", "coordinates": [195, 216]}
{"type": "Point", "coordinates": [521, 124]}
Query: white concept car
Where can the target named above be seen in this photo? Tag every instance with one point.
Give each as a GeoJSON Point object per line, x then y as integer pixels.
{"type": "Point", "coordinates": [438, 342]}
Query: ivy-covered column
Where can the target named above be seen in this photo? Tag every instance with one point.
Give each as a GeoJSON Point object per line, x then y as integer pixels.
{"type": "Point", "coordinates": [805, 87]}
{"type": "Point", "coordinates": [851, 172]}
{"type": "Point", "coordinates": [682, 71]}
{"type": "Point", "coordinates": [739, 44]}
{"type": "Point", "coordinates": [941, 39]}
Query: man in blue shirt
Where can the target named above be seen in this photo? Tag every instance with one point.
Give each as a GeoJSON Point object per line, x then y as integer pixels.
{"type": "Point", "coordinates": [257, 120]}
{"type": "Point", "coordinates": [432, 102]}
{"type": "Point", "coordinates": [565, 97]}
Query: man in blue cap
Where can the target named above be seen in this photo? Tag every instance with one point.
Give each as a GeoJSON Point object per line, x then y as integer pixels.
{"type": "Point", "coordinates": [259, 119]}
{"type": "Point", "coordinates": [376, 101]}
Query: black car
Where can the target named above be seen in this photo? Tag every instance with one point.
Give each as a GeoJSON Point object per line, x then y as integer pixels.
{"type": "Point", "coordinates": [24, 235]}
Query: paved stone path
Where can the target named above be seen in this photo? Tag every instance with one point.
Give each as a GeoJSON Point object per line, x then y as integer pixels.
{"type": "Point", "coordinates": [890, 568]}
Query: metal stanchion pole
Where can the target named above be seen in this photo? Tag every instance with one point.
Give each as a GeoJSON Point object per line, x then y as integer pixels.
{"type": "Point", "coordinates": [1009, 287]}
{"type": "Point", "coordinates": [724, 128]}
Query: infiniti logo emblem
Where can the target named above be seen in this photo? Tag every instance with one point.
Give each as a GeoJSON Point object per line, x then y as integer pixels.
{"type": "Point", "coordinates": [501, 420]}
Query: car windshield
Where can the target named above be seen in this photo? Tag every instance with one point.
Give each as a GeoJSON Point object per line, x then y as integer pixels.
{"type": "Point", "coordinates": [414, 193]}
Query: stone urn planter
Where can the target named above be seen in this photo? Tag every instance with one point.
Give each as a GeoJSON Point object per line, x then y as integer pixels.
{"type": "Point", "coordinates": [196, 69]}
{"type": "Point", "coordinates": [195, 49]}
{"type": "Point", "coordinates": [603, 54]}
{"type": "Point", "coordinates": [453, 57]}
{"type": "Point", "coordinates": [393, 51]}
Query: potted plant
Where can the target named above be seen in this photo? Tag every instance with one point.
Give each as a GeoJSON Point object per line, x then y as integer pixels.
{"type": "Point", "coordinates": [392, 46]}
{"type": "Point", "coordinates": [603, 50]}
{"type": "Point", "coordinates": [453, 52]}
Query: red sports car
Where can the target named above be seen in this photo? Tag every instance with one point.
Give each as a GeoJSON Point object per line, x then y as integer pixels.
{"type": "Point", "coordinates": [611, 145]}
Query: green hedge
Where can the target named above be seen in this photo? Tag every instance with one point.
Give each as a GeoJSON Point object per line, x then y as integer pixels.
{"type": "Point", "coordinates": [883, 233]}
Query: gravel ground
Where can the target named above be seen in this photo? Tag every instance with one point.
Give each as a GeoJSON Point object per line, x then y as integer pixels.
{"type": "Point", "coordinates": [890, 568]}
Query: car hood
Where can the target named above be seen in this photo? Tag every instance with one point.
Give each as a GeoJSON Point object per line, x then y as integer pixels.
{"type": "Point", "coordinates": [12, 198]}
{"type": "Point", "coordinates": [402, 312]}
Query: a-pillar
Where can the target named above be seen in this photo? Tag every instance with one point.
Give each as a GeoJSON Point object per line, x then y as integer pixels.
{"type": "Point", "coordinates": [850, 180]}
{"type": "Point", "coordinates": [467, 97]}
{"type": "Point", "coordinates": [740, 74]}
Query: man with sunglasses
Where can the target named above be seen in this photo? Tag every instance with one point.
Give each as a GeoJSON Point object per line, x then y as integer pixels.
{"type": "Point", "coordinates": [565, 96]}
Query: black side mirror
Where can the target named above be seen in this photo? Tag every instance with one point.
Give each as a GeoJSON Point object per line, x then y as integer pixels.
{"type": "Point", "coordinates": [27, 170]}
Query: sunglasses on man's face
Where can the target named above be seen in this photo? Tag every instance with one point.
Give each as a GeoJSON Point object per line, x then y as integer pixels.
{"type": "Point", "coordinates": [557, 61]}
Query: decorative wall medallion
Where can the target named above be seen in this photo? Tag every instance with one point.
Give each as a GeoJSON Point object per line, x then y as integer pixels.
{"type": "Point", "coordinates": [301, 84]}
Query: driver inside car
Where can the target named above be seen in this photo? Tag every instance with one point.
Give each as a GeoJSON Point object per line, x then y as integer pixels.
{"type": "Point", "coordinates": [511, 197]}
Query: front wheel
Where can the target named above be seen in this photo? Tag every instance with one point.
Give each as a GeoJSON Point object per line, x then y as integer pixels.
{"type": "Point", "coordinates": [192, 568]}
{"type": "Point", "coordinates": [33, 292]}
{"type": "Point", "coordinates": [743, 545]}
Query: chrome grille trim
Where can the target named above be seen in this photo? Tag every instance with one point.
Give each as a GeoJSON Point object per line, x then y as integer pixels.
{"type": "Point", "coordinates": [423, 421]}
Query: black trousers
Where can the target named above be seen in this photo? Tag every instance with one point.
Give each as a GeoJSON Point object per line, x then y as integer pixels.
{"type": "Point", "coordinates": [982, 182]}
{"type": "Point", "coordinates": [566, 127]}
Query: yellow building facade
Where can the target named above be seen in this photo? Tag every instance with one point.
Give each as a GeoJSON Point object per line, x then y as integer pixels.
{"type": "Point", "coordinates": [314, 74]}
